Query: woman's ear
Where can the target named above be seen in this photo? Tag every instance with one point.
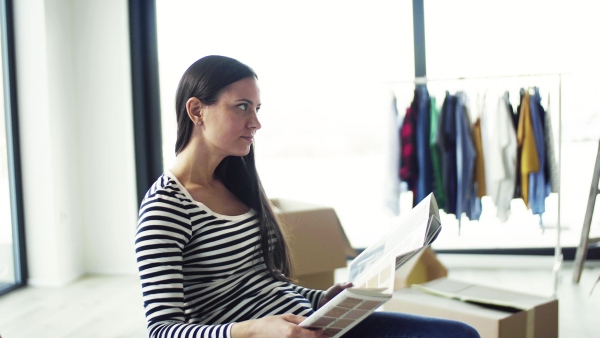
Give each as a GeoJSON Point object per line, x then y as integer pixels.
{"type": "Point", "coordinates": [193, 106]}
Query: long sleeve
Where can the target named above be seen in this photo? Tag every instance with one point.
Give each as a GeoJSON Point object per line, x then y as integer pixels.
{"type": "Point", "coordinates": [313, 296]}
{"type": "Point", "coordinates": [201, 271]}
{"type": "Point", "coordinates": [163, 230]}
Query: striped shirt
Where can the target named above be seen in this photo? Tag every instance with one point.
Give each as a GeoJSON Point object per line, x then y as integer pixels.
{"type": "Point", "coordinates": [201, 271]}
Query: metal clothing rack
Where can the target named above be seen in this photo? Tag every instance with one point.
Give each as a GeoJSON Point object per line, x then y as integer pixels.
{"type": "Point", "coordinates": [558, 256]}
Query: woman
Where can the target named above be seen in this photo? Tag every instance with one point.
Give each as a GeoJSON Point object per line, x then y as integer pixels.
{"type": "Point", "coordinates": [211, 256]}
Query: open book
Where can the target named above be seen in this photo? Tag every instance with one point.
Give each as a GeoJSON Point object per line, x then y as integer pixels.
{"type": "Point", "coordinates": [372, 272]}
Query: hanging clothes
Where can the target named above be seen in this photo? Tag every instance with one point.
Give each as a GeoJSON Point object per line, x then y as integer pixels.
{"type": "Point", "coordinates": [526, 141]}
{"type": "Point", "coordinates": [515, 120]}
{"type": "Point", "coordinates": [392, 181]}
{"type": "Point", "coordinates": [514, 115]}
{"type": "Point", "coordinates": [447, 144]}
{"type": "Point", "coordinates": [408, 151]}
{"type": "Point", "coordinates": [436, 156]}
{"type": "Point", "coordinates": [443, 151]}
{"type": "Point", "coordinates": [539, 188]}
{"type": "Point", "coordinates": [465, 162]}
{"type": "Point", "coordinates": [425, 177]}
{"type": "Point", "coordinates": [517, 117]}
{"type": "Point", "coordinates": [500, 148]}
{"type": "Point", "coordinates": [479, 159]}
{"type": "Point", "coordinates": [550, 154]}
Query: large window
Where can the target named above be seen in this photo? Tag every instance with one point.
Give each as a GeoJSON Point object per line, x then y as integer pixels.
{"type": "Point", "coordinates": [327, 69]}
{"type": "Point", "coordinates": [12, 263]}
{"type": "Point", "coordinates": [497, 40]}
{"type": "Point", "coordinates": [323, 68]}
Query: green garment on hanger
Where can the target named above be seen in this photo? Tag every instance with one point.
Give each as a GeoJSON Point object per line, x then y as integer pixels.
{"type": "Point", "coordinates": [436, 156]}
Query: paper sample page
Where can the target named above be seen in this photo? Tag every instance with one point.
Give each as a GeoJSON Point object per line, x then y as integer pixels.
{"type": "Point", "coordinates": [412, 233]}
{"type": "Point", "coordinates": [345, 310]}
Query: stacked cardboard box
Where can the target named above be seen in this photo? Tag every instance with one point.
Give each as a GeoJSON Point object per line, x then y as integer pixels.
{"type": "Point", "coordinates": [317, 242]}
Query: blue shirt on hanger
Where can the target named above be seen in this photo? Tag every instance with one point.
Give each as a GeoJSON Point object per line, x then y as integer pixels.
{"type": "Point", "coordinates": [539, 188]}
{"type": "Point", "coordinates": [425, 178]}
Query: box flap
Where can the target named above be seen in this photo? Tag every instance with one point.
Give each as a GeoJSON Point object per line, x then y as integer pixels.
{"type": "Point", "coordinates": [409, 298]}
{"type": "Point", "coordinates": [482, 294]}
{"type": "Point", "coordinates": [315, 236]}
{"type": "Point", "coordinates": [422, 267]}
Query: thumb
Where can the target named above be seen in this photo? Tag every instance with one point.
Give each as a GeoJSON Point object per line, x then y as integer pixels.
{"type": "Point", "coordinates": [292, 318]}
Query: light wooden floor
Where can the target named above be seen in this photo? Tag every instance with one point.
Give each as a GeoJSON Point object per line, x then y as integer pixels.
{"type": "Point", "coordinates": [94, 306]}
{"type": "Point", "coordinates": [110, 306]}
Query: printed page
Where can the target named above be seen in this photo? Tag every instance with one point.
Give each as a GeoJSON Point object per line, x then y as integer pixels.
{"type": "Point", "coordinates": [346, 310]}
{"type": "Point", "coordinates": [412, 233]}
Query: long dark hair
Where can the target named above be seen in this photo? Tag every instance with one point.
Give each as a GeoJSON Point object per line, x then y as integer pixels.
{"type": "Point", "coordinates": [205, 79]}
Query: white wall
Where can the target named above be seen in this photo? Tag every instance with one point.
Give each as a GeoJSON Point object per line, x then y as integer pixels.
{"type": "Point", "coordinates": [106, 120]}
{"type": "Point", "coordinates": [76, 137]}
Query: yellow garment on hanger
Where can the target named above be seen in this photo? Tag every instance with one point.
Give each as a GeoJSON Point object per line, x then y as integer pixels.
{"type": "Point", "coordinates": [479, 160]}
{"type": "Point", "coordinates": [526, 141]}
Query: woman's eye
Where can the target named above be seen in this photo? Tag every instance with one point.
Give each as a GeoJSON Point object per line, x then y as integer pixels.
{"type": "Point", "coordinates": [243, 106]}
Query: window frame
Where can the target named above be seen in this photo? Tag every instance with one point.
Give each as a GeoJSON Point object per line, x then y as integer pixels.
{"type": "Point", "coordinates": [145, 94]}
{"type": "Point", "coordinates": [13, 147]}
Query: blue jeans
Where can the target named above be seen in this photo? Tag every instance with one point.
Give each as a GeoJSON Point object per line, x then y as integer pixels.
{"type": "Point", "coordinates": [404, 325]}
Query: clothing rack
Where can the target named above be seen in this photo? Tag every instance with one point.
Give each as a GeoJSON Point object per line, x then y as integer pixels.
{"type": "Point", "coordinates": [558, 77]}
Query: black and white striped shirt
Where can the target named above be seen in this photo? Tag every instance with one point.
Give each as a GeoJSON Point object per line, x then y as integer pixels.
{"type": "Point", "coordinates": [201, 271]}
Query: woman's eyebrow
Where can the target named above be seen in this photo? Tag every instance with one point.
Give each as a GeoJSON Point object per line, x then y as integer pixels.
{"type": "Point", "coordinates": [245, 100]}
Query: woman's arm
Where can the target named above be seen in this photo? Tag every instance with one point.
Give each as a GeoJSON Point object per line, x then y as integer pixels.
{"type": "Point", "coordinates": [163, 230]}
{"type": "Point", "coordinates": [318, 297]}
{"type": "Point", "coordinates": [313, 296]}
{"type": "Point", "coordinates": [162, 233]}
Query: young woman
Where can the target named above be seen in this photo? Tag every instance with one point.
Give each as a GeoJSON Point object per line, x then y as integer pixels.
{"type": "Point", "coordinates": [211, 256]}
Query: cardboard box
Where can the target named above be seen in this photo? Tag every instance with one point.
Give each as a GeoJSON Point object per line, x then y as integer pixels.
{"type": "Point", "coordinates": [422, 267]}
{"type": "Point", "coordinates": [495, 313]}
{"type": "Point", "coordinates": [317, 242]}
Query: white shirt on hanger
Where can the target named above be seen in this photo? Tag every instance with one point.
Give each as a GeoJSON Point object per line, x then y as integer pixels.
{"type": "Point", "coordinates": [499, 141]}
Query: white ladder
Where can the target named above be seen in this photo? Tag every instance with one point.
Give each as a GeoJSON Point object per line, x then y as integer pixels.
{"type": "Point", "coordinates": [587, 222]}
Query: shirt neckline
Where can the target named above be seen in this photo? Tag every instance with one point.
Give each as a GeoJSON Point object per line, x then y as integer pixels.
{"type": "Point", "coordinates": [172, 176]}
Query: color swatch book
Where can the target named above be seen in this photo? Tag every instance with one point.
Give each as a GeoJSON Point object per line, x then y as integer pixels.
{"type": "Point", "coordinates": [372, 272]}
{"type": "Point", "coordinates": [345, 310]}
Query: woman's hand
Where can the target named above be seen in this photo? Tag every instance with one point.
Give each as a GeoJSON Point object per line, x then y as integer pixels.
{"type": "Point", "coordinates": [282, 326]}
{"type": "Point", "coordinates": [333, 291]}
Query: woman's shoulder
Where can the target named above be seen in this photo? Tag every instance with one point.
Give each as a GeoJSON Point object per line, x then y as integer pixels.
{"type": "Point", "coordinates": [166, 190]}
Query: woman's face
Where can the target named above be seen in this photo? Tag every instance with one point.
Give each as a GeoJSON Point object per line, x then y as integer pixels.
{"type": "Point", "coordinates": [229, 125]}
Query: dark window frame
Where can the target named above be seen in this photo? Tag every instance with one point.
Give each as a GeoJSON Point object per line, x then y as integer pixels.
{"type": "Point", "coordinates": [12, 143]}
{"type": "Point", "coordinates": [145, 94]}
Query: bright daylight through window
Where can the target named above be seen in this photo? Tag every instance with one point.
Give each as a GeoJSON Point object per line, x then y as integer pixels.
{"type": "Point", "coordinates": [327, 70]}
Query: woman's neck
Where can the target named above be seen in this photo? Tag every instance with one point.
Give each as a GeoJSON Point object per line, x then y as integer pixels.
{"type": "Point", "coordinates": [192, 165]}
